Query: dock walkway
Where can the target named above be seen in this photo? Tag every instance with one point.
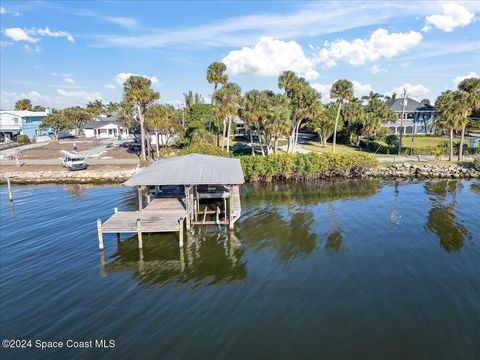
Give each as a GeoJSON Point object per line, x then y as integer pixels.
{"type": "Point", "coordinates": [160, 215]}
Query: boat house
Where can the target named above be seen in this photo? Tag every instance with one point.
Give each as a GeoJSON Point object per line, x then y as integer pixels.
{"type": "Point", "coordinates": [178, 192]}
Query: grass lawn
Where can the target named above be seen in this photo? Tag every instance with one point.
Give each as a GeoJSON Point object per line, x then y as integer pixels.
{"type": "Point", "coordinates": [340, 148]}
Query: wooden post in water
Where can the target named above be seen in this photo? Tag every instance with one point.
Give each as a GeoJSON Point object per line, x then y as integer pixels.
{"type": "Point", "coordinates": [230, 211]}
{"type": "Point", "coordinates": [180, 233]}
{"type": "Point", "coordinates": [9, 186]}
{"type": "Point", "coordinates": [100, 235]}
{"type": "Point", "coordinates": [217, 217]}
{"type": "Point", "coordinates": [205, 214]}
{"type": "Point", "coordinates": [140, 206]}
{"type": "Point", "coordinates": [225, 208]}
{"type": "Point", "coordinates": [149, 198]}
{"type": "Point", "coordinates": [139, 234]}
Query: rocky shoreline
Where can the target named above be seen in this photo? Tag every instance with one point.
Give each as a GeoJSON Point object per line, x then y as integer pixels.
{"type": "Point", "coordinates": [118, 176]}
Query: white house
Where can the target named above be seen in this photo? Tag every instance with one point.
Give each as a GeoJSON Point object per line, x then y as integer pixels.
{"type": "Point", "coordinates": [104, 127]}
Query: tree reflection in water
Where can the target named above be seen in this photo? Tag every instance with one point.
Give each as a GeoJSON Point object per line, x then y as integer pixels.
{"type": "Point", "coordinates": [280, 215]}
{"type": "Point", "coordinates": [442, 219]}
{"type": "Point", "coordinates": [211, 257]}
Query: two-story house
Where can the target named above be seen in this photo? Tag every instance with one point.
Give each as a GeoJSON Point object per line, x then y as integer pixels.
{"type": "Point", "coordinates": [418, 118]}
{"type": "Point", "coordinates": [13, 123]}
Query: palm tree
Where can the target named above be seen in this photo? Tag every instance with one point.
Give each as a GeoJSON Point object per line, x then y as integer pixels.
{"type": "Point", "coordinates": [287, 82]}
{"type": "Point", "coordinates": [215, 75]}
{"type": "Point", "coordinates": [469, 98]}
{"type": "Point", "coordinates": [449, 114]}
{"type": "Point", "coordinates": [252, 112]}
{"type": "Point", "coordinates": [228, 100]}
{"type": "Point", "coordinates": [137, 92]}
{"type": "Point", "coordinates": [341, 90]}
{"type": "Point", "coordinates": [277, 122]}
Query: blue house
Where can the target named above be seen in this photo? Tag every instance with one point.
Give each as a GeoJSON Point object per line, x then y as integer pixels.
{"type": "Point", "coordinates": [13, 123]}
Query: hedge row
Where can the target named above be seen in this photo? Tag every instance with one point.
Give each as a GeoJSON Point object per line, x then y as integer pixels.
{"type": "Point", "coordinates": [407, 150]}
{"type": "Point", "coordinates": [305, 166]}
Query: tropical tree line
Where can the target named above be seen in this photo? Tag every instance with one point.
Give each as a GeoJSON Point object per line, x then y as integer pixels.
{"type": "Point", "coordinates": [271, 119]}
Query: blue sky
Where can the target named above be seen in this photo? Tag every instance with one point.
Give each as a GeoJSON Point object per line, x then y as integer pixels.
{"type": "Point", "coordinates": [66, 53]}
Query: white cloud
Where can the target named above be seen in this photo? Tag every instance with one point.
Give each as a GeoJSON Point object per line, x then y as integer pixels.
{"type": "Point", "coordinates": [359, 89]}
{"type": "Point", "coordinates": [381, 44]}
{"type": "Point", "coordinates": [31, 49]}
{"type": "Point", "coordinates": [122, 21]}
{"type": "Point", "coordinates": [414, 91]}
{"type": "Point", "coordinates": [120, 78]}
{"type": "Point", "coordinates": [460, 78]}
{"type": "Point", "coordinates": [453, 15]}
{"type": "Point", "coordinates": [307, 19]}
{"type": "Point", "coordinates": [79, 96]}
{"type": "Point", "coordinates": [47, 32]}
{"type": "Point", "coordinates": [4, 11]}
{"type": "Point", "coordinates": [375, 69]}
{"type": "Point", "coordinates": [270, 57]}
{"type": "Point", "coordinates": [69, 80]}
{"type": "Point", "coordinates": [60, 99]}
{"type": "Point", "coordinates": [17, 34]}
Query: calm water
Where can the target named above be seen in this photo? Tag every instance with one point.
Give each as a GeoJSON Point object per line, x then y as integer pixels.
{"type": "Point", "coordinates": [352, 270]}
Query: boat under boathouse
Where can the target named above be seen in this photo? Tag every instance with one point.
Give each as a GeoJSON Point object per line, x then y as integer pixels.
{"type": "Point", "coordinates": [179, 192]}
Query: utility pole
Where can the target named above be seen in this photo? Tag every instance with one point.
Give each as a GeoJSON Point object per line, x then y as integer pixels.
{"type": "Point", "coordinates": [401, 121]}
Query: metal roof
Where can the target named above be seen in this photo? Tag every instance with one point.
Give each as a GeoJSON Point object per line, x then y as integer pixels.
{"type": "Point", "coordinates": [192, 169]}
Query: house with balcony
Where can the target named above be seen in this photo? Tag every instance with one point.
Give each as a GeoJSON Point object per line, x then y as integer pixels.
{"type": "Point", "coordinates": [418, 118]}
{"type": "Point", "coordinates": [13, 123]}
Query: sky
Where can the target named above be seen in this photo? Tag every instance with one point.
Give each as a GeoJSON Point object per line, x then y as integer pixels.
{"type": "Point", "coordinates": [66, 53]}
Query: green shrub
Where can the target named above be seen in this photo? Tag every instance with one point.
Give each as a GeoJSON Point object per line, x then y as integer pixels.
{"type": "Point", "coordinates": [305, 166]}
{"type": "Point", "coordinates": [206, 149]}
{"type": "Point", "coordinates": [23, 139]}
{"type": "Point", "coordinates": [476, 162]}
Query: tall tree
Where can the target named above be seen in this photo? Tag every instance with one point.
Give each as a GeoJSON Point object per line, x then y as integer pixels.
{"type": "Point", "coordinates": [57, 122]}
{"type": "Point", "coordinates": [449, 115]}
{"type": "Point", "coordinates": [252, 112]}
{"type": "Point", "coordinates": [96, 107]}
{"type": "Point", "coordinates": [228, 100]}
{"type": "Point", "coordinates": [303, 99]}
{"type": "Point", "coordinates": [323, 122]}
{"type": "Point", "coordinates": [38, 108]}
{"type": "Point", "coordinates": [216, 75]}
{"type": "Point", "coordinates": [23, 104]}
{"type": "Point", "coordinates": [137, 92]}
{"type": "Point", "coordinates": [276, 122]}
{"type": "Point", "coordinates": [77, 116]}
{"type": "Point", "coordinates": [468, 96]}
{"type": "Point", "coordinates": [342, 90]}
{"type": "Point", "coordinates": [162, 120]}
{"type": "Point", "coordinates": [353, 114]}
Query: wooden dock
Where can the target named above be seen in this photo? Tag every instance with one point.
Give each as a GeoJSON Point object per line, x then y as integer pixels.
{"type": "Point", "coordinates": [160, 215]}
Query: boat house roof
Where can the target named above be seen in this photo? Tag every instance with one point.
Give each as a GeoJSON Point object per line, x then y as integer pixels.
{"type": "Point", "coordinates": [192, 169]}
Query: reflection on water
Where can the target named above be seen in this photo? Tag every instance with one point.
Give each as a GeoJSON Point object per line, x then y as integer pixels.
{"type": "Point", "coordinates": [389, 268]}
{"type": "Point", "coordinates": [214, 257]}
{"type": "Point", "coordinates": [442, 219]}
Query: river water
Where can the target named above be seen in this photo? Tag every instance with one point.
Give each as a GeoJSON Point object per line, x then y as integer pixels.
{"type": "Point", "coordinates": [347, 270]}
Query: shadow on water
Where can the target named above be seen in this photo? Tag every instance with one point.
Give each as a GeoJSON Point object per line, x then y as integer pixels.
{"type": "Point", "coordinates": [442, 218]}
{"type": "Point", "coordinates": [207, 257]}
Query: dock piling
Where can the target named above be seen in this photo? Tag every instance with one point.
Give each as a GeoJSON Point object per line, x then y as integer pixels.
{"type": "Point", "coordinates": [9, 186]}
{"type": "Point", "coordinates": [217, 218]}
{"type": "Point", "coordinates": [180, 233]}
{"type": "Point", "coordinates": [100, 235]}
{"type": "Point", "coordinates": [139, 234]}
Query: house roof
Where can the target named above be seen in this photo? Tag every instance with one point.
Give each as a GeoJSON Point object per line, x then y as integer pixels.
{"type": "Point", "coordinates": [410, 106]}
{"type": "Point", "coordinates": [192, 169]}
{"type": "Point", "coordinates": [25, 113]}
{"type": "Point", "coordinates": [95, 124]}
